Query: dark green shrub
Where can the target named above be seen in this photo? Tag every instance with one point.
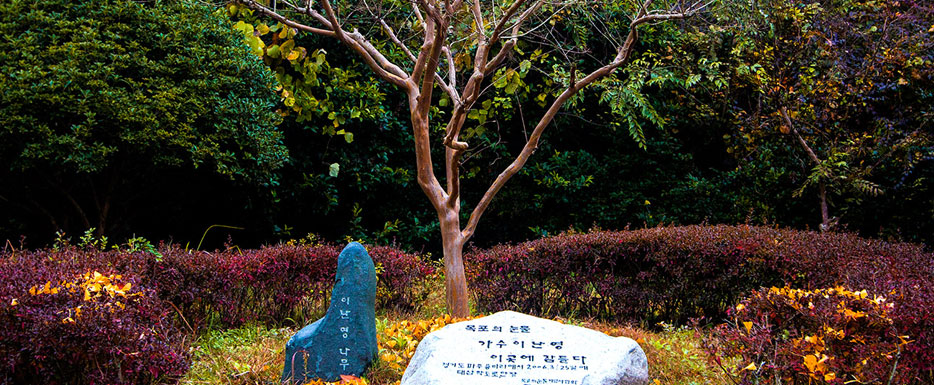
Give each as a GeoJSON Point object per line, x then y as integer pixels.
{"type": "Point", "coordinates": [100, 96]}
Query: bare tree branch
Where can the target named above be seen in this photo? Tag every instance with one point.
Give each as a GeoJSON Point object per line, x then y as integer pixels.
{"type": "Point", "coordinates": [440, 80]}
{"type": "Point", "coordinates": [511, 43]}
{"type": "Point", "coordinates": [501, 25]}
{"type": "Point", "coordinates": [371, 56]}
{"type": "Point", "coordinates": [622, 57]}
{"type": "Point", "coordinates": [478, 19]}
{"type": "Point", "coordinates": [452, 70]}
{"type": "Point", "coordinates": [794, 130]}
{"type": "Point", "coordinates": [284, 20]}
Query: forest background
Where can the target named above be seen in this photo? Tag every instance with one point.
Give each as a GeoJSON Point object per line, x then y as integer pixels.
{"type": "Point", "coordinates": [759, 112]}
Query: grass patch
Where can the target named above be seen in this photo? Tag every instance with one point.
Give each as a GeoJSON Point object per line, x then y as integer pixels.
{"type": "Point", "coordinates": [676, 357]}
{"type": "Point", "coordinates": [247, 355]}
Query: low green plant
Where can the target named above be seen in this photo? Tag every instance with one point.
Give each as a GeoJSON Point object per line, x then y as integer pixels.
{"type": "Point", "coordinates": [248, 355]}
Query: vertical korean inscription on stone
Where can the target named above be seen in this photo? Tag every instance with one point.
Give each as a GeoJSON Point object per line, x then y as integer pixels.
{"type": "Point", "coordinates": [344, 326]}
{"type": "Point", "coordinates": [344, 340]}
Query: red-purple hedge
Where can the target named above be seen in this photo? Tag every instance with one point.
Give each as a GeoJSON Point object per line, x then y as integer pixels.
{"type": "Point", "coordinates": [180, 292]}
{"type": "Point", "coordinates": [270, 285]}
{"type": "Point", "coordinates": [677, 273]}
{"type": "Point", "coordinates": [55, 334]}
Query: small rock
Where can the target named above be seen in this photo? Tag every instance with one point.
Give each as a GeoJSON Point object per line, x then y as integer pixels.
{"type": "Point", "coordinates": [514, 348]}
{"type": "Point", "coordinates": [344, 341]}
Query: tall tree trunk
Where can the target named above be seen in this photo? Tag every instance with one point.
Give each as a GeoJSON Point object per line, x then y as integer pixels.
{"type": "Point", "coordinates": [85, 221]}
{"type": "Point", "coordinates": [448, 209]}
{"type": "Point", "coordinates": [825, 224]}
{"type": "Point", "coordinates": [454, 277]}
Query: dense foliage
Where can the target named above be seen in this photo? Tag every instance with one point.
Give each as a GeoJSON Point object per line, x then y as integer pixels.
{"type": "Point", "coordinates": [673, 274]}
{"type": "Point", "coordinates": [832, 104]}
{"type": "Point", "coordinates": [128, 316]}
{"type": "Point", "coordinates": [101, 99]}
{"type": "Point", "coordinates": [724, 153]}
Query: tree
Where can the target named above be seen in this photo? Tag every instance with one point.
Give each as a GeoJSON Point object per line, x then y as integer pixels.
{"type": "Point", "coordinates": [845, 84]}
{"type": "Point", "coordinates": [99, 95]}
{"type": "Point", "coordinates": [450, 39]}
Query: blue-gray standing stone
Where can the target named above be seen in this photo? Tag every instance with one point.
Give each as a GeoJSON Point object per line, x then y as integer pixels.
{"type": "Point", "coordinates": [344, 341]}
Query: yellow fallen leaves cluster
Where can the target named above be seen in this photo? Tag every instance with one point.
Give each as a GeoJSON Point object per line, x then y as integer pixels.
{"type": "Point", "coordinates": [816, 365]}
{"type": "Point", "coordinates": [796, 294]}
{"type": "Point", "coordinates": [47, 289]}
{"type": "Point", "coordinates": [398, 341]}
{"type": "Point", "coordinates": [97, 288]}
{"type": "Point", "coordinates": [96, 285]}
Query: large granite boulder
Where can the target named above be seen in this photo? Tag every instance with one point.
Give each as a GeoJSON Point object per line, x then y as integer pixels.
{"type": "Point", "coordinates": [515, 348]}
{"type": "Point", "coordinates": [344, 341]}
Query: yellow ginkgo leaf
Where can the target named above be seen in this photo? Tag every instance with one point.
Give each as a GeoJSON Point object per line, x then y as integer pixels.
{"type": "Point", "coordinates": [14, 302]}
{"type": "Point", "coordinates": [853, 314]}
{"type": "Point", "coordinates": [815, 362]}
{"type": "Point", "coordinates": [810, 362]}
{"type": "Point", "coordinates": [751, 366]}
{"type": "Point", "coordinates": [748, 326]}
{"type": "Point", "coordinates": [740, 307]}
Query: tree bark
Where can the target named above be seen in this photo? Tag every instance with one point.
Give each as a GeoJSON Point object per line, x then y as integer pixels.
{"type": "Point", "coordinates": [826, 221]}
{"type": "Point", "coordinates": [454, 277]}
{"type": "Point", "coordinates": [824, 210]}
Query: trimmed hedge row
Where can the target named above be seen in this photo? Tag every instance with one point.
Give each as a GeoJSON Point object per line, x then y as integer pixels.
{"type": "Point", "coordinates": [86, 316]}
{"type": "Point", "coordinates": [275, 284]}
{"type": "Point", "coordinates": [674, 274]}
